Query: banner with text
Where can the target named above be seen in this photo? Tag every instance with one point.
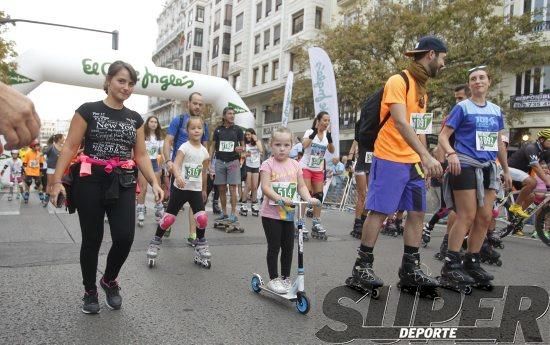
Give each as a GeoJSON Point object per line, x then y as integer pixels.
{"type": "Point", "coordinates": [324, 91]}
{"type": "Point", "coordinates": [288, 98]}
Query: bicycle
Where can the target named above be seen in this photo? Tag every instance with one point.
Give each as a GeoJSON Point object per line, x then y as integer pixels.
{"type": "Point", "coordinates": [514, 223]}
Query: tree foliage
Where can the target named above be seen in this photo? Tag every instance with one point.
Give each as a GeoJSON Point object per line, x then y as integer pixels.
{"type": "Point", "coordinates": [366, 53]}
{"type": "Point", "coordinates": [6, 52]}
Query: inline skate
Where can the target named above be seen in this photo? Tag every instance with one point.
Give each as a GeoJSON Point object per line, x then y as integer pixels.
{"type": "Point", "coordinates": [140, 209]}
{"type": "Point", "coordinates": [412, 279]}
{"type": "Point", "coordinates": [363, 278]}
{"type": "Point", "coordinates": [473, 268]}
{"type": "Point", "coordinates": [453, 276]}
{"type": "Point", "coordinates": [494, 239]}
{"type": "Point", "coordinates": [318, 232]}
{"type": "Point", "coordinates": [489, 255]}
{"type": "Point", "coordinates": [255, 209]}
{"type": "Point", "coordinates": [216, 207]}
{"type": "Point", "coordinates": [243, 209]}
{"type": "Point", "coordinates": [26, 197]}
{"type": "Point", "coordinates": [426, 235]}
{"type": "Point", "coordinates": [159, 211]}
{"type": "Point", "coordinates": [153, 251]}
{"type": "Point", "coordinates": [357, 228]}
{"type": "Point", "coordinates": [202, 254]}
{"type": "Point", "coordinates": [386, 226]}
{"type": "Point", "coordinates": [443, 248]}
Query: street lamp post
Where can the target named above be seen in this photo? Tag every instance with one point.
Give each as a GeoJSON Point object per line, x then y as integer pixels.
{"type": "Point", "coordinates": [113, 33]}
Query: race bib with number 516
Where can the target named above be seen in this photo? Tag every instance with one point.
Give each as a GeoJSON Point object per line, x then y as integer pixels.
{"type": "Point", "coordinates": [486, 141]}
{"type": "Point", "coordinates": [422, 123]}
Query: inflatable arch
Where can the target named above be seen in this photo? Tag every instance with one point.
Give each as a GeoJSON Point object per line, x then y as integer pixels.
{"type": "Point", "coordinates": [89, 70]}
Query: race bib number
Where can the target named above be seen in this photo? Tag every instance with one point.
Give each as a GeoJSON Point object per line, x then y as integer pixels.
{"type": "Point", "coordinates": [486, 141]}
{"type": "Point", "coordinates": [368, 157]}
{"type": "Point", "coordinates": [422, 123]}
{"type": "Point", "coordinates": [285, 189]}
{"type": "Point", "coordinates": [254, 157]}
{"type": "Point", "coordinates": [193, 172]}
{"type": "Point", "coordinates": [315, 162]}
{"type": "Point", "coordinates": [33, 164]}
{"type": "Point", "coordinates": [152, 151]}
{"type": "Point", "coordinates": [227, 146]}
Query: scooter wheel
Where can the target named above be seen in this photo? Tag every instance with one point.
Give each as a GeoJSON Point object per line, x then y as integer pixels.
{"type": "Point", "coordinates": [302, 304]}
{"type": "Point", "coordinates": [255, 284]}
{"type": "Point", "coordinates": [375, 293]}
{"type": "Point", "coordinates": [151, 263]}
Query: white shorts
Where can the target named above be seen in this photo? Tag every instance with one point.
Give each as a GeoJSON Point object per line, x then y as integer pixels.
{"type": "Point", "coordinates": [518, 175]}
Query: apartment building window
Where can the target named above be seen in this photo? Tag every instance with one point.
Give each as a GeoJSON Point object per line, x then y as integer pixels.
{"type": "Point", "coordinates": [277, 34]}
{"type": "Point", "coordinates": [214, 71]}
{"type": "Point", "coordinates": [257, 44]}
{"type": "Point", "coordinates": [238, 52]}
{"type": "Point", "coordinates": [237, 82]}
{"type": "Point", "coordinates": [297, 22]}
{"type": "Point", "coordinates": [304, 112]}
{"type": "Point", "coordinates": [187, 62]}
{"type": "Point", "coordinates": [189, 39]}
{"type": "Point", "coordinates": [536, 80]}
{"type": "Point", "coordinates": [225, 69]}
{"type": "Point", "coordinates": [518, 83]}
{"type": "Point", "coordinates": [292, 62]}
{"type": "Point", "coordinates": [318, 17]}
{"type": "Point", "coordinates": [226, 47]}
{"type": "Point", "coordinates": [546, 80]}
{"type": "Point", "coordinates": [258, 11]}
{"type": "Point", "coordinates": [198, 37]}
{"type": "Point", "coordinates": [197, 61]}
{"type": "Point", "coordinates": [239, 22]}
{"type": "Point", "coordinates": [527, 83]}
{"type": "Point", "coordinates": [273, 114]}
{"type": "Point", "coordinates": [217, 17]}
{"type": "Point", "coordinates": [267, 7]}
{"type": "Point", "coordinates": [200, 14]}
{"type": "Point", "coordinates": [255, 76]}
{"type": "Point", "coordinates": [216, 48]}
{"type": "Point", "coordinates": [278, 4]}
{"type": "Point", "coordinates": [266, 39]}
{"type": "Point", "coordinates": [526, 6]}
{"type": "Point", "coordinates": [265, 69]}
{"type": "Point", "coordinates": [190, 18]}
{"type": "Point", "coordinates": [275, 70]}
{"type": "Point", "coordinates": [228, 15]}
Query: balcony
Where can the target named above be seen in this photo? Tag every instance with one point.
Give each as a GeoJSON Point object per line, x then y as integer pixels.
{"type": "Point", "coordinates": [166, 39]}
{"type": "Point", "coordinates": [530, 102]}
{"type": "Point", "coordinates": [542, 26]}
{"type": "Point", "coordinates": [345, 2]}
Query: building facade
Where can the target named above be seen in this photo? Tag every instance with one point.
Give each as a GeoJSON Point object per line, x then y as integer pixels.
{"type": "Point", "coordinates": [51, 127]}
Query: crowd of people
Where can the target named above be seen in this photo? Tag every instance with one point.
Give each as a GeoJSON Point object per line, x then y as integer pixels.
{"type": "Point", "coordinates": [111, 157]}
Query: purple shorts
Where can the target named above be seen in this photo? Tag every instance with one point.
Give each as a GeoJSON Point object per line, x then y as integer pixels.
{"type": "Point", "coordinates": [395, 186]}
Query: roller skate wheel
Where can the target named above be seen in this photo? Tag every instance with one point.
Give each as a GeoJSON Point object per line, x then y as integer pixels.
{"type": "Point", "coordinates": [151, 263]}
{"type": "Point", "coordinates": [499, 263]}
{"type": "Point", "coordinates": [424, 244]}
{"type": "Point", "coordinates": [501, 246]}
{"type": "Point", "coordinates": [375, 293]}
{"type": "Point", "coordinates": [302, 304]}
{"type": "Point", "coordinates": [140, 224]}
{"type": "Point", "coordinates": [255, 284]}
{"type": "Point", "coordinates": [467, 290]}
{"type": "Point", "coordinates": [208, 265]}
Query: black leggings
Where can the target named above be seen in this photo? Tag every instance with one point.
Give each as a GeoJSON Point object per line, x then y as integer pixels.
{"type": "Point", "coordinates": [280, 235]}
{"type": "Point", "coordinates": [88, 195]}
{"type": "Point", "coordinates": [211, 186]}
{"type": "Point", "coordinates": [178, 198]}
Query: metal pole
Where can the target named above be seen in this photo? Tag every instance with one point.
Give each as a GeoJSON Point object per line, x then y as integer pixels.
{"type": "Point", "coordinates": [113, 33]}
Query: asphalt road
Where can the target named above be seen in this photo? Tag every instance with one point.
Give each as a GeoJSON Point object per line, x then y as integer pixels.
{"type": "Point", "coordinates": [179, 302]}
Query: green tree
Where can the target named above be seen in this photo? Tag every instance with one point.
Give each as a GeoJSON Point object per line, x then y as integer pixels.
{"type": "Point", "coordinates": [6, 52]}
{"type": "Point", "coordinates": [366, 53]}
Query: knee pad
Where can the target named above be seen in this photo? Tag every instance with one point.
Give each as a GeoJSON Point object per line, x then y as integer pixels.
{"type": "Point", "coordinates": [318, 196]}
{"type": "Point", "coordinates": [167, 220]}
{"type": "Point", "coordinates": [201, 218]}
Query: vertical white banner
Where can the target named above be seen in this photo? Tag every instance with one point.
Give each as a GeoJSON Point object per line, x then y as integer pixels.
{"type": "Point", "coordinates": [288, 98]}
{"type": "Point", "coordinates": [324, 91]}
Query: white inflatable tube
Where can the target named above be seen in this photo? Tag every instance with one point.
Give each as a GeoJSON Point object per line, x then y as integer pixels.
{"type": "Point", "coordinates": [89, 70]}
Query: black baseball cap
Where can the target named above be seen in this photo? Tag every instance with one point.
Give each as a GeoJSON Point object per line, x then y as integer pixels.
{"type": "Point", "coordinates": [427, 43]}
